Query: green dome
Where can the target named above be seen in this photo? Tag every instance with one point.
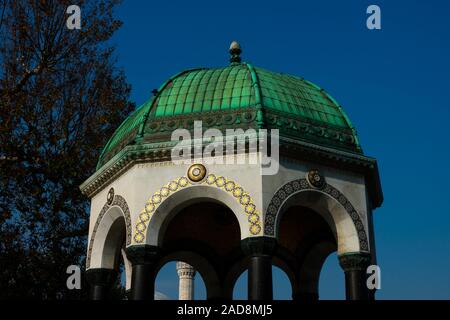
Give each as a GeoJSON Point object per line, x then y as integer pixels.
{"type": "Point", "coordinates": [237, 96]}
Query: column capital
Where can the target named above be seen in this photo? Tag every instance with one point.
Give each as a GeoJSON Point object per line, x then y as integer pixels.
{"type": "Point", "coordinates": [259, 245]}
{"type": "Point", "coordinates": [100, 276]}
{"type": "Point", "coordinates": [354, 261]}
{"type": "Point", "coordinates": [185, 270]}
{"type": "Point", "coordinates": [142, 254]}
{"type": "Point", "coordinates": [100, 280]}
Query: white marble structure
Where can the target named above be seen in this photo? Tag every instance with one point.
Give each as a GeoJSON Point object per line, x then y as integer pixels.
{"type": "Point", "coordinates": [224, 218]}
{"type": "Point", "coordinates": [186, 274]}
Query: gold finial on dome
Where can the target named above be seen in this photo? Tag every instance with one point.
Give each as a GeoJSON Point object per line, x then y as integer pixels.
{"type": "Point", "coordinates": [235, 51]}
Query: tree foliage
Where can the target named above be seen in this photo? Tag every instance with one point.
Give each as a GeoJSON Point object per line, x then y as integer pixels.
{"type": "Point", "coordinates": [61, 97]}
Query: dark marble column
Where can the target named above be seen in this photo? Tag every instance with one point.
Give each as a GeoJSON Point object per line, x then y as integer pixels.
{"type": "Point", "coordinates": [143, 259]}
{"type": "Point", "coordinates": [355, 268]}
{"type": "Point", "coordinates": [305, 296]}
{"type": "Point", "coordinates": [100, 281]}
{"type": "Point", "coordinates": [259, 251]}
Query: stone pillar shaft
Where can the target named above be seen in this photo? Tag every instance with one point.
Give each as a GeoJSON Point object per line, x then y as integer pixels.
{"type": "Point", "coordinates": [260, 278]}
{"type": "Point", "coordinates": [355, 267]}
{"type": "Point", "coordinates": [143, 259]}
{"type": "Point", "coordinates": [186, 273]}
{"type": "Point", "coordinates": [142, 282]}
{"type": "Point", "coordinates": [100, 281]}
{"type": "Point", "coordinates": [259, 251]}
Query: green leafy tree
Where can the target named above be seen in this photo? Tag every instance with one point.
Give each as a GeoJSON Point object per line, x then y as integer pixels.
{"type": "Point", "coordinates": [61, 97]}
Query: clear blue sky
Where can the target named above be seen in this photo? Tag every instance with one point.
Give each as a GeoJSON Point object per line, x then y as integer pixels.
{"type": "Point", "coordinates": [393, 84]}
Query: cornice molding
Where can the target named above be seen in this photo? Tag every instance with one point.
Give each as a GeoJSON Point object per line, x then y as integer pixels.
{"type": "Point", "coordinates": [289, 148]}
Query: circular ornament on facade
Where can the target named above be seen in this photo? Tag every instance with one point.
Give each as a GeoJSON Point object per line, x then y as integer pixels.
{"type": "Point", "coordinates": [244, 199]}
{"type": "Point", "coordinates": [149, 207]}
{"type": "Point", "coordinates": [237, 192]}
{"type": "Point", "coordinates": [165, 191]}
{"type": "Point", "coordinates": [144, 217]}
{"type": "Point", "coordinates": [276, 201]}
{"type": "Point", "coordinates": [173, 186]}
{"type": "Point", "coordinates": [288, 189]}
{"type": "Point", "coordinates": [141, 227]}
{"type": "Point", "coordinates": [156, 199]}
{"type": "Point", "coordinates": [272, 210]}
{"type": "Point", "coordinates": [282, 194]}
{"type": "Point", "coordinates": [139, 237]}
{"type": "Point", "coordinates": [250, 208]}
{"type": "Point", "coordinates": [229, 186]}
{"type": "Point", "coordinates": [315, 179]}
{"type": "Point", "coordinates": [196, 172]}
{"type": "Point", "coordinates": [270, 219]}
{"type": "Point", "coordinates": [253, 218]}
{"type": "Point", "coordinates": [183, 182]}
{"type": "Point", "coordinates": [110, 196]}
{"type": "Point", "coordinates": [211, 179]}
{"type": "Point", "coordinates": [255, 229]}
{"type": "Point", "coordinates": [220, 182]}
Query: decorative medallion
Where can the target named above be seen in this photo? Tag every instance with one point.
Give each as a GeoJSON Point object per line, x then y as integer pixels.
{"type": "Point", "coordinates": [197, 172]}
{"type": "Point", "coordinates": [315, 179]}
{"type": "Point", "coordinates": [110, 197]}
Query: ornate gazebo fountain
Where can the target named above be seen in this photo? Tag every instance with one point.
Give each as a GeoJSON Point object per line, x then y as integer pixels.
{"type": "Point", "coordinates": [225, 218]}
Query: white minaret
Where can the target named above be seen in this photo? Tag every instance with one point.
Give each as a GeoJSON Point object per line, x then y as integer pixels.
{"type": "Point", "coordinates": [186, 273]}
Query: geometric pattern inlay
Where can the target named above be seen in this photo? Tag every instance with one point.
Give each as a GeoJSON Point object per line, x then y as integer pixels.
{"type": "Point", "coordinates": [298, 185]}
{"type": "Point", "coordinates": [245, 200]}
{"type": "Point", "coordinates": [120, 202]}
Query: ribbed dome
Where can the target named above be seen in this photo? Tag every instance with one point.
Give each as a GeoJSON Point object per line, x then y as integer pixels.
{"type": "Point", "coordinates": [237, 96]}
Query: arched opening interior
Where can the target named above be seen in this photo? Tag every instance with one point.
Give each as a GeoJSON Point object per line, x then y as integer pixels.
{"type": "Point", "coordinates": [207, 236]}
{"type": "Point", "coordinates": [167, 283]}
{"type": "Point", "coordinates": [332, 281]}
{"type": "Point", "coordinates": [305, 240]}
{"type": "Point", "coordinates": [282, 287]}
{"type": "Point", "coordinates": [240, 287]}
{"type": "Point", "coordinates": [114, 257]}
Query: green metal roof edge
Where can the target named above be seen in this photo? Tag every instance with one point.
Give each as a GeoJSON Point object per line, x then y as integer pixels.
{"type": "Point", "coordinates": [258, 94]}
{"type": "Point", "coordinates": [146, 115]}
{"type": "Point", "coordinates": [114, 134]}
{"type": "Point", "coordinates": [258, 99]}
{"type": "Point", "coordinates": [160, 89]}
{"type": "Point", "coordinates": [341, 110]}
{"type": "Point", "coordinates": [347, 119]}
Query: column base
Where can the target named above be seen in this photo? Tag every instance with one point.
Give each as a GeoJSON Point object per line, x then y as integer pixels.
{"type": "Point", "coordinates": [100, 281]}
{"type": "Point", "coordinates": [305, 296]}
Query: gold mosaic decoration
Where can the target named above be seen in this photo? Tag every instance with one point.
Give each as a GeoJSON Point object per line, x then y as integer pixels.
{"type": "Point", "coordinates": [246, 201]}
